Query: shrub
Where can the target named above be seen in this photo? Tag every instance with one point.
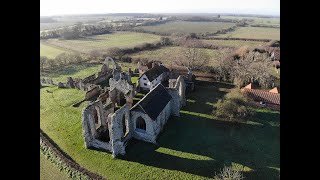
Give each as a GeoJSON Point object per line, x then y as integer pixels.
{"type": "Point", "coordinates": [234, 107]}
{"type": "Point", "coordinates": [227, 173]}
{"type": "Point", "coordinates": [126, 58]}
{"type": "Point", "coordinates": [51, 63]}
{"type": "Point", "coordinates": [95, 54]}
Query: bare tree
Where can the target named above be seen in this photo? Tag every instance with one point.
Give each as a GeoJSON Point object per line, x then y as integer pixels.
{"type": "Point", "coordinates": [253, 67]}
{"type": "Point", "coordinates": [224, 65]}
{"type": "Point", "coordinates": [191, 56]}
{"type": "Point", "coordinates": [115, 52]}
{"type": "Point", "coordinates": [43, 61]}
{"type": "Point", "coordinates": [95, 54]}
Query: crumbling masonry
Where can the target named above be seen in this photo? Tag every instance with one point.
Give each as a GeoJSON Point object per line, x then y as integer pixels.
{"type": "Point", "coordinates": [112, 120]}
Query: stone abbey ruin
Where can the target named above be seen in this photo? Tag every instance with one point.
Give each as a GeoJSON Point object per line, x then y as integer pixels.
{"type": "Point", "coordinates": [113, 117]}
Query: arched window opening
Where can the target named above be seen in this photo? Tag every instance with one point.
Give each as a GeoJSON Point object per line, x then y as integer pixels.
{"type": "Point", "coordinates": [141, 124]}
{"type": "Point", "coordinates": [124, 126]}
{"type": "Point", "coordinates": [95, 117]}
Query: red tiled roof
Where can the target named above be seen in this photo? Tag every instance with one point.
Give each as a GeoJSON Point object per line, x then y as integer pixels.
{"type": "Point", "coordinates": [262, 95]}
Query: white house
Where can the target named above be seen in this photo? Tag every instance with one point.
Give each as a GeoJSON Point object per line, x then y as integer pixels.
{"type": "Point", "coordinates": [154, 76]}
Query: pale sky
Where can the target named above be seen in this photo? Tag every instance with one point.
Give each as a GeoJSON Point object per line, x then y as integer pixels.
{"type": "Point", "coordinates": [64, 7]}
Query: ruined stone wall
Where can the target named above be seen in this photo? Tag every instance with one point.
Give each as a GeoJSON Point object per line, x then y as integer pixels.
{"type": "Point", "coordinates": [162, 119]}
{"type": "Point", "coordinates": [47, 81]}
{"type": "Point", "coordinates": [94, 91]}
{"type": "Point", "coordinates": [179, 85]}
{"type": "Point", "coordinates": [116, 130]}
{"type": "Point", "coordinates": [89, 78]}
{"type": "Point", "coordinates": [175, 102]}
{"type": "Point", "coordinates": [101, 78]}
{"type": "Point", "coordinates": [149, 135]}
{"type": "Point", "coordinates": [89, 127]}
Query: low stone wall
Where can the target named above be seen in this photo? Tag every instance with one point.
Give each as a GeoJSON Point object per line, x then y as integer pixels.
{"type": "Point", "coordinates": [47, 81]}
{"type": "Point", "coordinates": [55, 155]}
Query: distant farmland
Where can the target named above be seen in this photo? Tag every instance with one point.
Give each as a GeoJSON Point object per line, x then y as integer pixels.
{"type": "Point", "coordinates": [256, 20]}
{"type": "Point", "coordinates": [234, 43]}
{"type": "Point", "coordinates": [49, 51]}
{"type": "Point", "coordinates": [169, 54]}
{"type": "Point", "coordinates": [254, 33]}
{"type": "Point", "coordinates": [103, 42]}
{"type": "Point", "coordinates": [187, 27]}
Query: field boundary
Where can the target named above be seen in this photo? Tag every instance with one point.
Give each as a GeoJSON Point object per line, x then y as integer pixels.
{"type": "Point", "coordinates": [65, 159]}
{"type": "Point", "coordinates": [62, 48]}
{"type": "Point", "coordinates": [240, 39]}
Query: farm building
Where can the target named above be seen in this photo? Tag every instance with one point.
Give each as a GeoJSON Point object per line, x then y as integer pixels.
{"type": "Point", "coordinates": [269, 98]}
{"type": "Point", "coordinates": [154, 72]}
{"type": "Point", "coordinates": [152, 77]}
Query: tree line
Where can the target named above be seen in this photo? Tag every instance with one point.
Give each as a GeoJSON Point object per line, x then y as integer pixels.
{"type": "Point", "coordinates": [77, 31]}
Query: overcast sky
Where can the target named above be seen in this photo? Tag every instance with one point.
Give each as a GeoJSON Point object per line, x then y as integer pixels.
{"type": "Point", "coordinates": [64, 7]}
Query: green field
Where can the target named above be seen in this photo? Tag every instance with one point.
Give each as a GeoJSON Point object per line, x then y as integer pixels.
{"type": "Point", "coordinates": [103, 42]}
{"type": "Point", "coordinates": [50, 51]}
{"type": "Point", "coordinates": [187, 27]}
{"type": "Point", "coordinates": [80, 71]}
{"type": "Point", "coordinates": [254, 33]}
{"type": "Point", "coordinates": [74, 70]}
{"type": "Point", "coordinates": [48, 171]}
{"type": "Point", "coordinates": [256, 20]}
{"type": "Point", "coordinates": [169, 54]}
{"type": "Point", "coordinates": [194, 146]}
{"type": "Point", "coordinates": [235, 43]}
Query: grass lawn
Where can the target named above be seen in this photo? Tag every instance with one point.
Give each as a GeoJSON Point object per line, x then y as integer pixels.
{"type": "Point", "coordinates": [187, 27]}
{"type": "Point", "coordinates": [235, 43]}
{"type": "Point", "coordinates": [48, 171]}
{"type": "Point", "coordinates": [81, 71]}
{"type": "Point", "coordinates": [169, 54]}
{"type": "Point", "coordinates": [193, 146]}
{"type": "Point", "coordinates": [254, 33]}
{"type": "Point", "coordinates": [50, 51]}
{"type": "Point", "coordinates": [73, 70]}
{"type": "Point", "coordinates": [103, 42]}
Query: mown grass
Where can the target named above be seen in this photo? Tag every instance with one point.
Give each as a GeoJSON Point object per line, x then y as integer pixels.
{"type": "Point", "coordinates": [74, 70]}
{"type": "Point", "coordinates": [235, 43]}
{"type": "Point", "coordinates": [103, 42]}
{"type": "Point", "coordinates": [48, 171]}
{"type": "Point", "coordinates": [254, 33]}
{"type": "Point", "coordinates": [193, 146]}
{"type": "Point", "coordinates": [169, 54]}
{"type": "Point", "coordinates": [81, 70]}
{"type": "Point", "coordinates": [187, 27]}
{"type": "Point", "coordinates": [50, 51]}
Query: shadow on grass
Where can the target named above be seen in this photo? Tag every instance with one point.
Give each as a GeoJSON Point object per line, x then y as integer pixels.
{"type": "Point", "coordinates": [43, 86]}
{"type": "Point", "coordinates": [220, 142]}
{"type": "Point", "coordinates": [202, 145]}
